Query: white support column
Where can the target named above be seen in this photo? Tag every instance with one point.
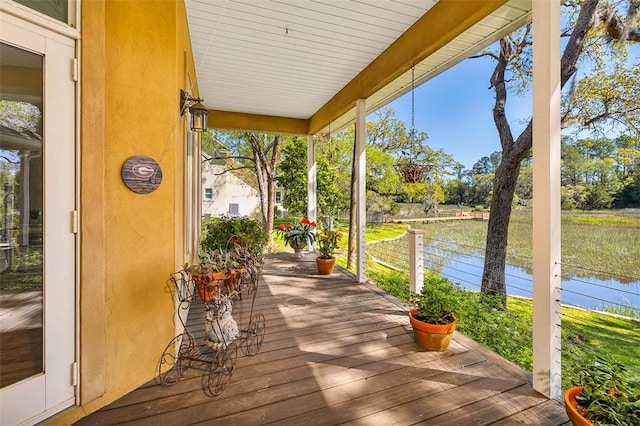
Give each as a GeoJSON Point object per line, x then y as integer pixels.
{"type": "Point", "coordinates": [546, 198]}
{"type": "Point", "coordinates": [361, 163]}
{"type": "Point", "coordinates": [312, 212]}
{"type": "Point", "coordinates": [416, 260]}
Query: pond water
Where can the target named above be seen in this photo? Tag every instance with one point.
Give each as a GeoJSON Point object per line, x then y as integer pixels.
{"type": "Point", "coordinates": [591, 293]}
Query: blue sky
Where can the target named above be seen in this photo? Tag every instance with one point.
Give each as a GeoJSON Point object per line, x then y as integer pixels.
{"type": "Point", "coordinates": [455, 109]}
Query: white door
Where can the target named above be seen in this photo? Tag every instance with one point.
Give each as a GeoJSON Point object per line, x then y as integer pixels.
{"type": "Point", "coordinates": [37, 240]}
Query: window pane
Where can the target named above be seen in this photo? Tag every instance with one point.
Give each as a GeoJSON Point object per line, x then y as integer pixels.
{"type": "Point", "coordinates": [21, 213]}
{"type": "Point", "coordinates": [57, 9]}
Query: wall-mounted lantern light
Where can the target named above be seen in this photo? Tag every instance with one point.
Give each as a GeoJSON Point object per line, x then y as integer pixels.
{"type": "Point", "coordinates": [198, 111]}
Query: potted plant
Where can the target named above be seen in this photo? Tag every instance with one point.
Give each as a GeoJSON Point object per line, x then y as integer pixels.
{"type": "Point", "coordinates": [433, 315]}
{"type": "Point", "coordinates": [210, 273]}
{"type": "Point", "coordinates": [605, 394]}
{"type": "Point", "coordinates": [299, 234]}
{"type": "Point", "coordinates": [242, 241]}
{"type": "Point", "coordinates": [327, 240]}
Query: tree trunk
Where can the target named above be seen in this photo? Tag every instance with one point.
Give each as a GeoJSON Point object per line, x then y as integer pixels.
{"type": "Point", "coordinates": [265, 159]}
{"type": "Point", "coordinates": [271, 190]}
{"type": "Point", "coordinates": [504, 185]}
{"type": "Point", "coordinates": [493, 278]}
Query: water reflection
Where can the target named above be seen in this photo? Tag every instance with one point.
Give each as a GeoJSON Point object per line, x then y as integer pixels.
{"type": "Point", "coordinates": [591, 292]}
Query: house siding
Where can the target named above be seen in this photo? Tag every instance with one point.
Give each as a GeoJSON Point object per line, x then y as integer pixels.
{"type": "Point", "coordinates": [228, 189]}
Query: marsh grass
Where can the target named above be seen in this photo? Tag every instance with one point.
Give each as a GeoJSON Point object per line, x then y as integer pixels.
{"type": "Point", "coordinates": [593, 244]}
{"type": "Point", "coordinates": [381, 231]}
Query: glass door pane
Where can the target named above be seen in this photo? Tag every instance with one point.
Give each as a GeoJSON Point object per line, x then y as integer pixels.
{"type": "Point", "coordinates": [57, 9]}
{"type": "Point", "coordinates": [21, 215]}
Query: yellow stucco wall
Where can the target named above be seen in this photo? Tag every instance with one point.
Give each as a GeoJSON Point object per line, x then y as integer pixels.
{"type": "Point", "coordinates": [135, 58]}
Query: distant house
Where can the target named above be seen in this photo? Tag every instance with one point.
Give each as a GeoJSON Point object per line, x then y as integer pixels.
{"type": "Point", "coordinates": [226, 192]}
{"type": "Point", "coordinates": [278, 202]}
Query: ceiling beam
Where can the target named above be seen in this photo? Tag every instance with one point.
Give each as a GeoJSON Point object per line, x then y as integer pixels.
{"type": "Point", "coordinates": [442, 23]}
{"type": "Point", "coordinates": [258, 123]}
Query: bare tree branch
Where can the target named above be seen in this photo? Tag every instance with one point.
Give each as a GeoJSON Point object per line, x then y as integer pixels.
{"type": "Point", "coordinates": [498, 82]}
{"type": "Point", "coordinates": [484, 54]}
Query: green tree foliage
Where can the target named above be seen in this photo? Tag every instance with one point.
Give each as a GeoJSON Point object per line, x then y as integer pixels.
{"type": "Point", "coordinates": [456, 191]}
{"type": "Point", "coordinates": [600, 173]}
{"type": "Point", "coordinates": [330, 198]}
{"type": "Point", "coordinates": [480, 189]}
{"type": "Point", "coordinates": [382, 176]}
{"type": "Point", "coordinates": [401, 162]}
{"type": "Point", "coordinates": [487, 165]}
{"type": "Point", "coordinates": [292, 175]}
{"type": "Point", "coordinates": [20, 116]}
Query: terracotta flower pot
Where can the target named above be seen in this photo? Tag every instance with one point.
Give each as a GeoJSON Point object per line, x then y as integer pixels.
{"type": "Point", "coordinates": [570, 405]}
{"type": "Point", "coordinates": [208, 285]}
{"type": "Point", "coordinates": [325, 266]}
{"type": "Point", "coordinates": [434, 337]}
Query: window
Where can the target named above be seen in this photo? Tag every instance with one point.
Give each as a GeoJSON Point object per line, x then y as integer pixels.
{"type": "Point", "coordinates": [278, 197]}
{"type": "Point", "coordinates": [57, 9]}
{"type": "Point", "coordinates": [234, 208]}
{"type": "Point", "coordinates": [208, 194]}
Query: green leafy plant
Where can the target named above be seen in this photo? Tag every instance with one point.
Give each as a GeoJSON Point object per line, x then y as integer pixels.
{"type": "Point", "coordinates": [231, 248]}
{"type": "Point", "coordinates": [328, 240]}
{"type": "Point", "coordinates": [438, 301]}
{"type": "Point", "coordinates": [611, 396]}
{"type": "Point", "coordinates": [300, 233]}
{"type": "Point", "coordinates": [223, 233]}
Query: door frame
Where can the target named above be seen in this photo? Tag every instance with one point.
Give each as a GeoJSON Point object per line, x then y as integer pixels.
{"type": "Point", "coordinates": [56, 388]}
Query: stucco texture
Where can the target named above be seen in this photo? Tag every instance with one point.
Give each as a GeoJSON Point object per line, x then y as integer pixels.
{"type": "Point", "coordinates": [135, 58]}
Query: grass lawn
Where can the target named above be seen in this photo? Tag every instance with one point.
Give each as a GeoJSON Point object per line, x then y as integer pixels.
{"type": "Point", "coordinates": [586, 334]}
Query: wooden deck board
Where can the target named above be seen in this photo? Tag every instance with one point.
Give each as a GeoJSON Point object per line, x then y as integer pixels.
{"type": "Point", "coordinates": [336, 352]}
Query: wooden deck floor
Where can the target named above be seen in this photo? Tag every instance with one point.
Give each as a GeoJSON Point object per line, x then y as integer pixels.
{"type": "Point", "coordinates": [337, 352]}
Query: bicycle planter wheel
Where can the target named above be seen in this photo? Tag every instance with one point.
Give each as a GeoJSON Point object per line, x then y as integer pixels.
{"type": "Point", "coordinates": [255, 335]}
{"type": "Point", "coordinates": [220, 370]}
{"type": "Point", "coordinates": [173, 365]}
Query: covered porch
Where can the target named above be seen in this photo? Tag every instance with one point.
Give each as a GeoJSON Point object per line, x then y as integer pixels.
{"type": "Point", "coordinates": [337, 351]}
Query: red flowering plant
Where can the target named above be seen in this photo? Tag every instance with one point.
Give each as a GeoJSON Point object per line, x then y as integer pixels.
{"type": "Point", "coordinates": [298, 234]}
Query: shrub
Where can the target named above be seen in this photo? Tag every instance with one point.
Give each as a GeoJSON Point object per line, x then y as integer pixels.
{"type": "Point", "coordinates": [223, 232]}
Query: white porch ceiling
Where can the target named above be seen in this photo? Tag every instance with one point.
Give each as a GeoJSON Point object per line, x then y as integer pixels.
{"type": "Point", "coordinates": [288, 58]}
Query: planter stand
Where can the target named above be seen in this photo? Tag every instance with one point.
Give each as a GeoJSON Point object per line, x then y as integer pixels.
{"type": "Point", "coordinates": [217, 350]}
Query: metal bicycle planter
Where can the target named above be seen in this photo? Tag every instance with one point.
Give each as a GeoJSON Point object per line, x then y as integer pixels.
{"type": "Point", "coordinates": [216, 352]}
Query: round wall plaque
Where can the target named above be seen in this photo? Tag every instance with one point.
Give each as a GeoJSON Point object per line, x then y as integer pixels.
{"type": "Point", "coordinates": [141, 174]}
